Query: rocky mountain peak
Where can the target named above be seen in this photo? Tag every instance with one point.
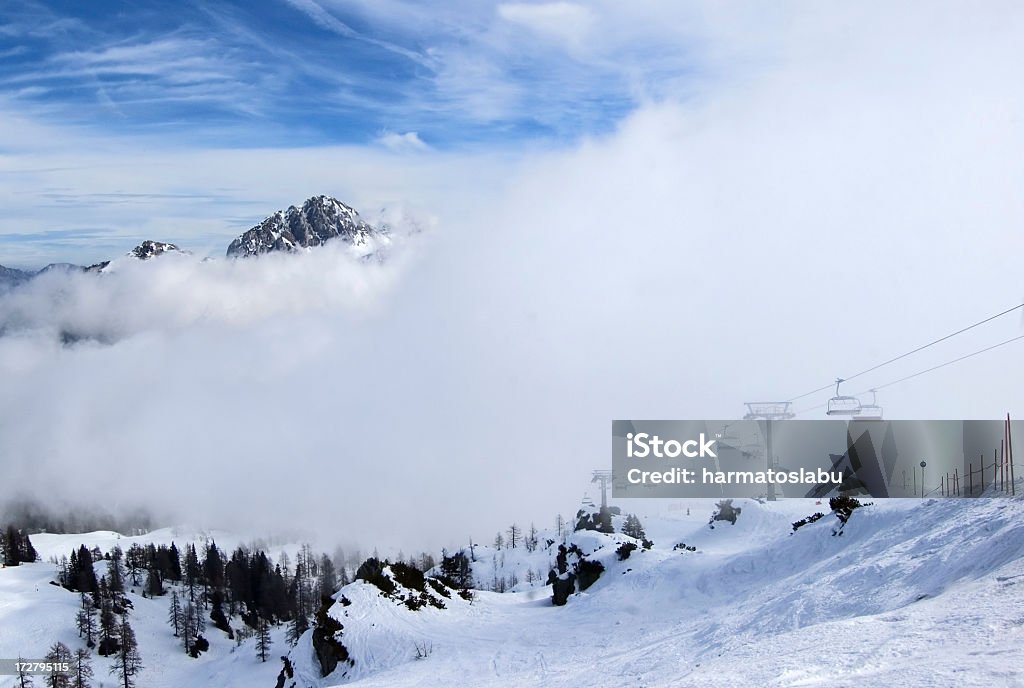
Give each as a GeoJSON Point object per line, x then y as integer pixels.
{"type": "Point", "coordinates": [320, 219]}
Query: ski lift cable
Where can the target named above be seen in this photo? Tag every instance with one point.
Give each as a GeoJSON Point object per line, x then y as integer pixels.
{"type": "Point", "coordinates": [910, 353]}
{"type": "Point", "coordinates": [927, 370]}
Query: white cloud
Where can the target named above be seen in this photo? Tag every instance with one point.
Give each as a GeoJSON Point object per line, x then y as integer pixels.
{"type": "Point", "coordinates": [409, 141]}
{"type": "Point", "coordinates": [852, 195]}
{"type": "Point", "coordinates": [566, 22]}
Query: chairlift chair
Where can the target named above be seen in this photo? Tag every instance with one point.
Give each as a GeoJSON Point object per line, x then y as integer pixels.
{"type": "Point", "coordinates": [870, 411]}
{"type": "Point", "coordinates": [842, 405]}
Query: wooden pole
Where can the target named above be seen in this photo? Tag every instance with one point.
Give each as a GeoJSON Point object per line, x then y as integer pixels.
{"type": "Point", "coordinates": [1002, 479]}
{"type": "Point", "coordinates": [970, 479]}
{"type": "Point", "coordinates": [956, 480]}
{"type": "Point", "coordinates": [1009, 444]}
{"type": "Point", "coordinates": [942, 484]}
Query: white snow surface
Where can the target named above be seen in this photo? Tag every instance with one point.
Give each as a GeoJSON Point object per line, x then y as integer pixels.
{"type": "Point", "coordinates": [913, 593]}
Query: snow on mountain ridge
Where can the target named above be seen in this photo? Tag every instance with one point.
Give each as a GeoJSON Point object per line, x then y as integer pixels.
{"type": "Point", "coordinates": [320, 219]}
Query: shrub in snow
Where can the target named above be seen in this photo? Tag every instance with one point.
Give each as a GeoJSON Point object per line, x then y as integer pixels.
{"type": "Point", "coordinates": [843, 506]}
{"type": "Point", "coordinates": [725, 511]}
{"type": "Point", "coordinates": [683, 546]}
{"type": "Point", "coordinates": [408, 576]}
{"type": "Point", "coordinates": [797, 525]}
{"type": "Point", "coordinates": [372, 571]}
{"type": "Point", "coordinates": [424, 649]}
{"type": "Point", "coordinates": [624, 550]}
{"type": "Point", "coordinates": [199, 646]}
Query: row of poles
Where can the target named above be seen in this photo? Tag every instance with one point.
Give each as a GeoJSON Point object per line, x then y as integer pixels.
{"type": "Point", "coordinates": [1002, 470]}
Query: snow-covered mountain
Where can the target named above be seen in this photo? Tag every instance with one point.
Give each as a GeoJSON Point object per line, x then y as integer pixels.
{"type": "Point", "coordinates": [150, 249]}
{"type": "Point", "coordinates": [11, 277]}
{"type": "Point", "coordinates": [911, 593]}
{"type": "Point", "coordinates": [320, 219]}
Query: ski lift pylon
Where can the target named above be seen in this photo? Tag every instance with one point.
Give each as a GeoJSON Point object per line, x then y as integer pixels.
{"type": "Point", "coordinates": [842, 405]}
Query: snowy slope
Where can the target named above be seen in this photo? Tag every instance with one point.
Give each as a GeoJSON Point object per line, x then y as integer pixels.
{"type": "Point", "coordinates": [912, 593]}
{"type": "Point", "coordinates": [917, 594]}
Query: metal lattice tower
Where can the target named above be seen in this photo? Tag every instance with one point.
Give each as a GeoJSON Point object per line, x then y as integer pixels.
{"type": "Point", "coordinates": [604, 477]}
{"type": "Point", "coordinates": [769, 411]}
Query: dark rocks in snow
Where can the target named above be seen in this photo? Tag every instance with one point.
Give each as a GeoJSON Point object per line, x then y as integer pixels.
{"type": "Point", "coordinates": [725, 511]}
{"type": "Point", "coordinates": [561, 587]}
{"type": "Point", "coordinates": [597, 518]}
{"type": "Point", "coordinates": [328, 649]}
{"type": "Point", "coordinates": [319, 220]}
{"type": "Point", "coordinates": [588, 572]}
{"type": "Point", "coordinates": [287, 672]}
{"type": "Point", "coordinates": [151, 249]}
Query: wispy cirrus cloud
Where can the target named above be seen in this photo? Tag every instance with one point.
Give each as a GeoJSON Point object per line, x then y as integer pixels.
{"type": "Point", "coordinates": [335, 71]}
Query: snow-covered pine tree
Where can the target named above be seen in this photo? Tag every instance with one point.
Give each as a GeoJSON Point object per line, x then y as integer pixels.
{"type": "Point", "coordinates": [531, 538]}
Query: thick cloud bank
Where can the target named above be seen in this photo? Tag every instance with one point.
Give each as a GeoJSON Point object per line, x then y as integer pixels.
{"type": "Point", "coordinates": [851, 198]}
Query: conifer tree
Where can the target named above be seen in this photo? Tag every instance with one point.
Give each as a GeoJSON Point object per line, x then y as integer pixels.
{"type": "Point", "coordinates": [81, 669]}
{"type": "Point", "coordinates": [60, 656]}
{"type": "Point", "coordinates": [531, 538]}
{"type": "Point", "coordinates": [85, 620]}
{"type": "Point", "coordinates": [193, 625]}
{"type": "Point", "coordinates": [175, 614]}
{"type": "Point", "coordinates": [174, 564]}
{"type": "Point", "coordinates": [299, 625]}
{"type": "Point", "coordinates": [127, 662]}
{"type": "Point", "coordinates": [263, 641]}
{"type": "Point", "coordinates": [154, 586]}
{"type": "Point", "coordinates": [84, 575]}
{"type": "Point", "coordinates": [116, 571]}
{"type": "Point", "coordinates": [24, 678]}
{"type": "Point", "coordinates": [193, 572]}
{"type": "Point", "coordinates": [633, 528]}
{"type": "Point", "coordinates": [328, 577]}
{"type": "Point", "coordinates": [514, 534]}
{"type": "Point", "coordinates": [108, 633]}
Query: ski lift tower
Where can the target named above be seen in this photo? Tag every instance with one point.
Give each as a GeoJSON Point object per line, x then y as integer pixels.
{"type": "Point", "coordinates": [768, 411]}
{"type": "Point", "coordinates": [604, 477]}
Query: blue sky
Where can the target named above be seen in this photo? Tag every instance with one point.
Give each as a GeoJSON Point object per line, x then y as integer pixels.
{"type": "Point", "coordinates": [124, 121]}
{"type": "Point", "coordinates": [314, 72]}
